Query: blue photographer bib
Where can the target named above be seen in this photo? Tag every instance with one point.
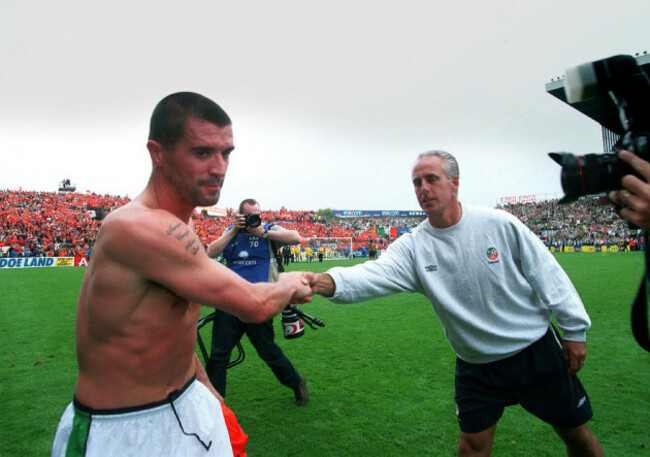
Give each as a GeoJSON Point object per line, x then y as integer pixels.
{"type": "Point", "coordinates": [250, 257]}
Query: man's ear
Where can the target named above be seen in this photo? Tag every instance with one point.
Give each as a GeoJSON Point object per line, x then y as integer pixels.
{"type": "Point", "coordinates": [455, 183]}
{"type": "Point", "coordinates": [155, 151]}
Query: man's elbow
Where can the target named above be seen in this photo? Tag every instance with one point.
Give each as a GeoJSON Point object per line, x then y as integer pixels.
{"type": "Point", "coordinates": [212, 251]}
{"type": "Point", "coordinates": [295, 238]}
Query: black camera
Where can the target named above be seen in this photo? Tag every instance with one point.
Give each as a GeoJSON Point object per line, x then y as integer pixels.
{"type": "Point", "coordinates": [619, 90]}
{"type": "Point", "coordinates": [252, 220]}
{"type": "Point", "coordinates": [622, 89]}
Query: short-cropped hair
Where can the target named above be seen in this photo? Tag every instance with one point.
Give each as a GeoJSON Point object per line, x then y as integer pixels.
{"type": "Point", "coordinates": [169, 117]}
{"type": "Point", "coordinates": [249, 202]}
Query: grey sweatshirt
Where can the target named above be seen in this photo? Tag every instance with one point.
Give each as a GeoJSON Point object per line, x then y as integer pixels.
{"type": "Point", "coordinates": [492, 283]}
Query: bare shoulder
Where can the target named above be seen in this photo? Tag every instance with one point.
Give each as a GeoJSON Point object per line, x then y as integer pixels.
{"type": "Point", "coordinates": [134, 219]}
{"type": "Point", "coordinates": [146, 237]}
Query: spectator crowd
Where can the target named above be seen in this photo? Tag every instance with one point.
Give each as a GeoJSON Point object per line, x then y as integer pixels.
{"type": "Point", "coordinates": [58, 224]}
{"type": "Point", "coordinates": [590, 221]}
{"type": "Point", "coordinates": [38, 224]}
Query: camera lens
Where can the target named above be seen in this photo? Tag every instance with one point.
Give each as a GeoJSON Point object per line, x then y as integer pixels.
{"type": "Point", "coordinates": [589, 174]}
{"type": "Point", "coordinates": [253, 220]}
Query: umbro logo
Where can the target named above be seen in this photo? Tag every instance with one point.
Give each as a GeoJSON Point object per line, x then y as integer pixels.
{"type": "Point", "coordinates": [431, 268]}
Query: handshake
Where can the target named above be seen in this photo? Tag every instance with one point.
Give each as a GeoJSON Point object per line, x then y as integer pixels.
{"type": "Point", "coordinates": [304, 284]}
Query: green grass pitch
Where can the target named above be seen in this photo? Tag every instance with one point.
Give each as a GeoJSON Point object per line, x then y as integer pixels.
{"type": "Point", "coordinates": [380, 374]}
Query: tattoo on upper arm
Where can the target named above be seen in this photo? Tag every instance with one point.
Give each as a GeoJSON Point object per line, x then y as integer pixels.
{"type": "Point", "coordinates": [171, 229]}
{"type": "Point", "coordinates": [189, 244]}
{"type": "Point", "coordinates": [179, 236]}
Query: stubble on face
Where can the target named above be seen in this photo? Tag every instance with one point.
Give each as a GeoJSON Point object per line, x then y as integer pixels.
{"type": "Point", "coordinates": [208, 197]}
{"type": "Point", "coordinates": [199, 166]}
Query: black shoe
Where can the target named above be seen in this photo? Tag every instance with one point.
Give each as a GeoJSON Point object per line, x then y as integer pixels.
{"type": "Point", "coordinates": [302, 396]}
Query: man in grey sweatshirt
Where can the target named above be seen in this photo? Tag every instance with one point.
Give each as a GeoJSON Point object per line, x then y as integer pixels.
{"type": "Point", "coordinates": [494, 287]}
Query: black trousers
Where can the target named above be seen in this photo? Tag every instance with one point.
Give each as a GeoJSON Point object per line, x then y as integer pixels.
{"type": "Point", "coordinates": [227, 330]}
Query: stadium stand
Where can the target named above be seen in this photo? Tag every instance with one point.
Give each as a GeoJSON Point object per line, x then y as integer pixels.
{"type": "Point", "coordinates": [590, 221]}
{"type": "Point", "coordinates": [35, 224]}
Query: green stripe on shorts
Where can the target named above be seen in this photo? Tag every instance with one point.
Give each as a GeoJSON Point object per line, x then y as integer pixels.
{"type": "Point", "coordinates": [78, 435]}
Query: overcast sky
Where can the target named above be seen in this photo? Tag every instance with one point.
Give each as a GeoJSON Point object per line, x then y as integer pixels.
{"type": "Point", "coordinates": [331, 101]}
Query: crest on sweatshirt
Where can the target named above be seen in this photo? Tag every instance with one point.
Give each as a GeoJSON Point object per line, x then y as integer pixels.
{"type": "Point", "coordinates": [492, 255]}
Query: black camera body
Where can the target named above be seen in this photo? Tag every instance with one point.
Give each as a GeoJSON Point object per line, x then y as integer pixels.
{"type": "Point", "coordinates": [621, 80]}
{"type": "Point", "coordinates": [252, 220]}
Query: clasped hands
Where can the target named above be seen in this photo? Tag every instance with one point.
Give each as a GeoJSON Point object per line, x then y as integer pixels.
{"type": "Point", "coordinates": [306, 283]}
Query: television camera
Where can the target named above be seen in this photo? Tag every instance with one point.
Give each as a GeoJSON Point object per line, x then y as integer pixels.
{"type": "Point", "coordinates": [622, 81]}
{"type": "Point", "coordinates": [620, 84]}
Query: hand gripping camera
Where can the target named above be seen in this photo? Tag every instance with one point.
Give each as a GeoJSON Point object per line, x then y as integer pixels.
{"type": "Point", "coordinates": [622, 89]}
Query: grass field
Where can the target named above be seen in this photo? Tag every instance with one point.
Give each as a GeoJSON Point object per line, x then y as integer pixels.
{"type": "Point", "coordinates": [380, 374]}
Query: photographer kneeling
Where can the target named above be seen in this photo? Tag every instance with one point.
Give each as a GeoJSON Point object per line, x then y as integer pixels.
{"type": "Point", "coordinates": [635, 195]}
{"type": "Point", "coordinates": [248, 249]}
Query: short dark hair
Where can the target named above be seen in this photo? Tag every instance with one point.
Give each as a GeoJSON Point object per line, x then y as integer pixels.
{"type": "Point", "coordinates": [249, 202]}
{"type": "Point", "coordinates": [171, 114]}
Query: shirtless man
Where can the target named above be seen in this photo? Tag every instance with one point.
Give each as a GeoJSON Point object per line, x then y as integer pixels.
{"type": "Point", "coordinates": [137, 391]}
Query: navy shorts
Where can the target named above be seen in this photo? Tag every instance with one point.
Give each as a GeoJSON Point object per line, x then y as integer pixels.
{"type": "Point", "coordinates": [536, 378]}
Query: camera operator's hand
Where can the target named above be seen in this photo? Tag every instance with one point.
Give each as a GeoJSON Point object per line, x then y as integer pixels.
{"type": "Point", "coordinates": [256, 231]}
{"type": "Point", "coordinates": [240, 222]}
{"type": "Point", "coordinates": [575, 353]}
{"type": "Point", "coordinates": [635, 196]}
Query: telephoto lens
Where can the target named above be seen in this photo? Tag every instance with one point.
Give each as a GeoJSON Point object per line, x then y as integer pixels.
{"type": "Point", "coordinates": [589, 174]}
{"type": "Point", "coordinates": [292, 325]}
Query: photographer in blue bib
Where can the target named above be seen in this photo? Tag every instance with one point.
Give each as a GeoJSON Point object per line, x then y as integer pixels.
{"type": "Point", "coordinates": [248, 248]}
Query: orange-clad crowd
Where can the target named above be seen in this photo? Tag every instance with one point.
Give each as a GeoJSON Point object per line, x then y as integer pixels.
{"type": "Point", "coordinates": [58, 224]}
{"type": "Point", "coordinates": [35, 224]}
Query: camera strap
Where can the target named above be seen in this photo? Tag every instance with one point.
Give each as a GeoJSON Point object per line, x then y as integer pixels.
{"type": "Point", "coordinates": [640, 304]}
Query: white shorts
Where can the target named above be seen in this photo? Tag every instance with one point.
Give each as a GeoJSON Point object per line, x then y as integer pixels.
{"type": "Point", "coordinates": [188, 423]}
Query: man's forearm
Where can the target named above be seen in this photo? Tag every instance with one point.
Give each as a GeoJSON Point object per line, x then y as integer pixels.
{"type": "Point", "coordinates": [284, 236]}
{"type": "Point", "coordinates": [216, 247]}
{"type": "Point", "coordinates": [272, 297]}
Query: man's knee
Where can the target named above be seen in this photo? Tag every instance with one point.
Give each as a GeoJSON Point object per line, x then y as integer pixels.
{"type": "Point", "coordinates": [580, 440]}
{"type": "Point", "coordinates": [476, 444]}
